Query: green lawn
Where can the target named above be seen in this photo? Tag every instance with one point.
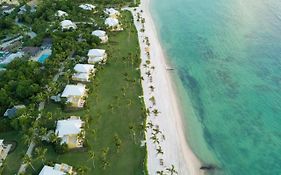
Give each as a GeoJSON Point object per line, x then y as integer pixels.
{"type": "Point", "coordinates": [114, 108]}
{"type": "Point", "coordinates": [13, 162]}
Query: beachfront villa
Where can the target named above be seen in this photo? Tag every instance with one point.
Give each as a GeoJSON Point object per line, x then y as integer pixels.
{"type": "Point", "coordinates": [111, 12]}
{"type": "Point", "coordinates": [113, 24]}
{"type": "Point", "coordinates": [61, 13]}
{"type": "Point", "coordinates": [68, 24]}
{"type": "Point", "coordinates": [71, 131]}
{"type": "Point", "coordinates": [12, 112]}
{"type": "Point", "coordinates": [58, 169]}
{"type": "Point", "coordinates": [4, 150]}
{"type": "Point", "coordinates": [75, 95]}
{"type": "Point", "coordinates": [88, 7]}
{"type": "Point", "coordinates": [101, 34]}
{"type": "Point", "coordinates": [97, 56]}
{"type": "Point", "coordinates": [83, 72]}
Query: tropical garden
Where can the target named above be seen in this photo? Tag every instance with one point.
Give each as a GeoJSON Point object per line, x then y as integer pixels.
{"type": "Point", "coordinates": [114, 113]}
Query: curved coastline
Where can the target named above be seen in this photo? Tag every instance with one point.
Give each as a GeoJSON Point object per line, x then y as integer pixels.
{"type": "Point", "coordinates": [176, 150]}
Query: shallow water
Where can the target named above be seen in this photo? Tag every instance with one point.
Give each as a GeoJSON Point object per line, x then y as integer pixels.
{"type": "Point", "coordinates": [228, 59]}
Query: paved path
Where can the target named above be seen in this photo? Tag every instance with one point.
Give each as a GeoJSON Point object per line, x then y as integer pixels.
{"type": "Point", "coordinates": [40, 108]}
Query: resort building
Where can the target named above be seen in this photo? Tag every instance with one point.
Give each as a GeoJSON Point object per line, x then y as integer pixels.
{"type": "Point", "coordinates": [75, 95]}
{"type": "Point", "coordinates": [83, 72]}
{"type": "Point", "coordinates": [61, 13]}
{"type": "Point", "coordinates": [71, 132]}
{"type": "Point", "coordinates": [14, 2]}
{"type": "Point", "coordinates": [7, 9]}
{"type": "Point", "coordinates": [88, 7]}
{"type": "Point", "coordinates": [67, 24]}
{"type": "Point", "coordinates": [113, 24]}
{"type": "Point", "coordinates": [97, 56]}
{"type": "Point", "coordinates": [4, 150]}
{"type": "Point", "coordinates": [12, 112]}
{"type": "Point", "coordinates": [9, 58]}
{"type": "Point", "coordinates": [31, 51]}
{"type": "Point", "coordinates": [111, 12]}
{"type": "Point", "coordinates": [58, 169]}
{"type": "Point", "coordinates": [22, 10]}
{"type": "Point", "coordinates": [101, 34]}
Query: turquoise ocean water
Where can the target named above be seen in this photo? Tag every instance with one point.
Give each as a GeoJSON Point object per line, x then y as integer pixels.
{"type": "Point", "coordinates": [228, 59]}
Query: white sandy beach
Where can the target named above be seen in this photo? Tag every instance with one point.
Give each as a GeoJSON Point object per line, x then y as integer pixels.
{"type": "Point", "coordinates": [175, 148]}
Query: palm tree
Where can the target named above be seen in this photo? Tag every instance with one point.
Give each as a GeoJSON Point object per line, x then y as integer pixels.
{"type": "Point", "coordinates": [27, 160]}
{"type": "Point", "coordinates": [26, 139]}
{"type": "Point", "coordinates": [133, 133]}
{"type": "Point", "coordinates": [160, 172]}
{"type": "Point", "coordinates": [159, 150]}
{"type": "Point", "coordinates": [155, 139]}
{"type": "Point", "coordinates": [117, 142]}
{"type": "Point", "coordinates": [143, 127]}
{"type": "Point", "coordinates": [148, 73]}
{"type": "Point", "coordinates": [82, 170]}
{"type": "Point", "coordinates": [157, 130]}
{"type": "Point", "coordinates": [172, 170]}
{"type": "Point", "coordinates": [53, 138]}
{"type": "Point", "coordinates": [92, 156]}
{"type": "Point", "coordinates": [147, 111]}
{"type": "Point", "coordinates": [111, 107]}
{"type": "Point", "coordinates": [153, 101]}
{"type": "Point", "coordinates": [150, 124]}
{"type": "Point", "coordinates": [155, 112]}
{"type": "Point", "coordinates": [40, 153]}
{"type": "Point", "coordinates": [152, 88]}
{"type": "Point", "coordinates": [129, 102]}
{"type": "Point", "coordinates": [163, 137]}
{"type": "Point", "coordinates": [105, 164]}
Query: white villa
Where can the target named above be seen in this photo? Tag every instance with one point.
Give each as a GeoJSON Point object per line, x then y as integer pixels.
{"type": "Point", "coordinates": [61, 13]}
{"type": "Point", "coordinates": [75, 94]}
{"type": "Point", "coordinates": [67, 24]}
{"type": "Point", "coordinates": [101, 34]}
{"type": "Point", "coordinates": [4, 150]}
{"type": "Point", "coordinates": [87, 7]}
{"type": "Point", "coordinates": [112, 12]}
{"type": "Point", "coordinates": [71, 132]}
{"type": "Point", "coordinates": [83, 72]}
{"type": "Point", "coordinates": [97, 56]}
{"type": "Point", "coordinates": [113, 24]}
{"type": "Point", "coordinates": [58, 169]}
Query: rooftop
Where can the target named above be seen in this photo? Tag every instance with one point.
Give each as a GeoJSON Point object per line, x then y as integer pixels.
{"type": "Point", "coordinates": [84, 68]}
{"type": "Point", "coordinates": [74, 90]}
{"type": "Point", "coordinates": [99, 33]}
{"type": "Point", "coordinates": [96, 52]}
{"type": "Point", "coordinates": [87, 6]}
{"type": "Point", "coordinates": [69, 126]}
{"type": "Point", "coordinates": [111, 11]}
{"type": "Point", "coordinates": [61, 13]}
{"type": "Point", "coordinates": [48, 170]}
{"type": "Point", "coordinates": [111, 22]}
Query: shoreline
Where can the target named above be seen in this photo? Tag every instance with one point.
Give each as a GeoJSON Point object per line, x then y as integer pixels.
{"type": "Point", "coordinates": [169, 121]}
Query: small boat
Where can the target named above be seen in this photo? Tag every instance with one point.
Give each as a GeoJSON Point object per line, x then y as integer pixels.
{"type": "Point", "coordinates": [208, 167]}
{"type": "Point", "coordinates": [169, 68]}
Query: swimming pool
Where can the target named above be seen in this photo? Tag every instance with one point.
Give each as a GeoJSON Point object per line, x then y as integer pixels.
{"type": "Point", "coordinates": [42, 58]}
